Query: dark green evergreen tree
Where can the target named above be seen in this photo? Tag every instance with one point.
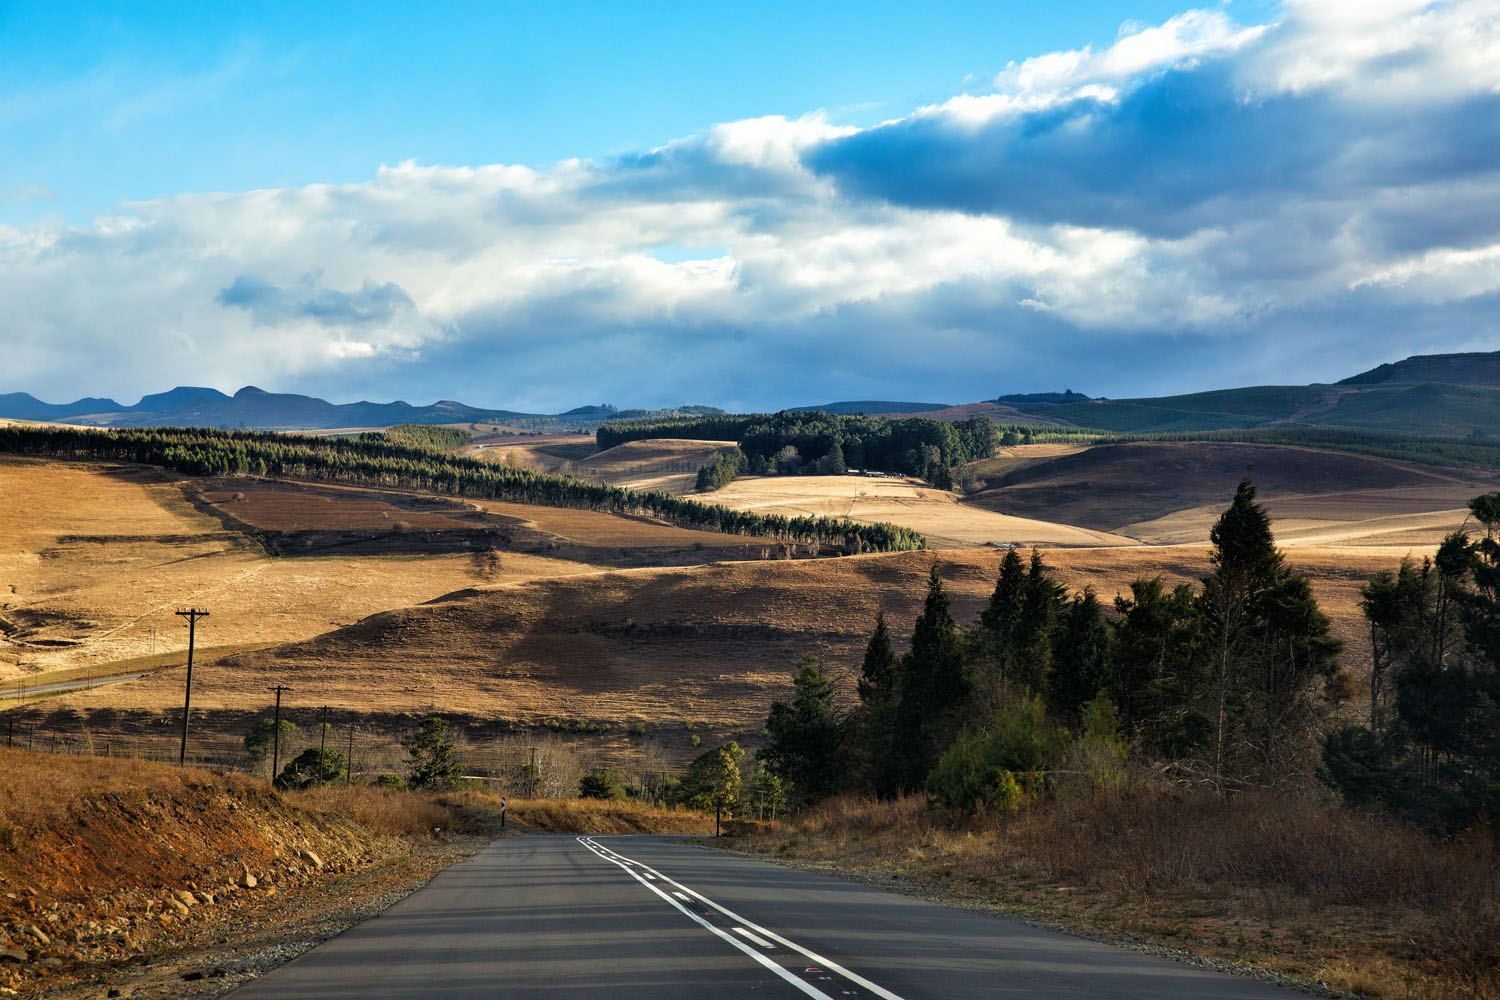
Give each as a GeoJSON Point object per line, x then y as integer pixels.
{"type": "Point", "coordinates": [803, 736]}
{"type": "Point", "coordinates": [933, 686]}
{"type": "Point", "coordinates": [877, 673]}
{"type": "Point", "coordinates": [431, 755]}
{"type": "Point", "coordinates": [1081, 657]}
{"type": "Point", "coordinates": [1161, 678]}
{"type": "Point", "coordinates": [1245, 564]}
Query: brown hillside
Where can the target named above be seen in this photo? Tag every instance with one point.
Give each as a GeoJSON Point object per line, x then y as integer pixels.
{"type": "Point", "coordinates": [1111, 486]}
{"type": "Point", "coordinates": [664, 646]}
{"type": "Point", "coordinates": [94, 559]}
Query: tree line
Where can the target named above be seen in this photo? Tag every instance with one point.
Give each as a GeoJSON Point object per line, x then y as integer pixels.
{"type": "Point", "coordinates": [799, 442]}
{"type": "Point", "coordinates": [1430, 750]}
{"type": "Point", "coordinates": [433, 437]}
{"type": "Point", "coordinates": [1227, 682]}
{"type": "Point", "coordinates": [387, 463]}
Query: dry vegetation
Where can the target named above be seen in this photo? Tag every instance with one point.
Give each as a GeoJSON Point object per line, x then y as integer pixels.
{"type": "Point", "coordinates": [597, 816]}
{"type": "Point", "coordinates": [92, 849]}
{"type": "Point", "coordinates": [937, 514]}
{"type": "Point", "coordinates": [658, 464]}
{"type": "Point", "coordinates": [1171, 493]}
{"type": "Point", "coordinates": [659, 648]}
{"type": "Point", "coordinates": [1307, 890]}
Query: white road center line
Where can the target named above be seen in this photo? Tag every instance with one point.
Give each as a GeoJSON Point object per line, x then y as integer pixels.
{"type": "Point", "coordinates": [816, 959]}
{"type": "Point", "coordinates": [804, 987]}
{"type": "Point", "coordinates": [757, 939]}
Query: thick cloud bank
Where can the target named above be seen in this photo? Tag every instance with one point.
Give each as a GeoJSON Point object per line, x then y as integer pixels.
{"type": "Point", "coordinates": [1200, 203]}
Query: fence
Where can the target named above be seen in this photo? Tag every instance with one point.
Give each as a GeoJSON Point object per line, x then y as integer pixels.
{"type": "Point", "coordinates": [542, 764]}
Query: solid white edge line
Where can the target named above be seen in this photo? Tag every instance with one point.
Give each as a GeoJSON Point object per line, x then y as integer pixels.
{"type": "Point", "coordinates": [800, 984]}
{"type": "Point", "coordinates": [753, 937]}
{"type": "Point", "coordinates": [817, 959]}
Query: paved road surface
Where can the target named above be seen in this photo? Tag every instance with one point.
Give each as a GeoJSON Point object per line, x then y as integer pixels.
{"type": "Point", "coordinates": [563, 917]}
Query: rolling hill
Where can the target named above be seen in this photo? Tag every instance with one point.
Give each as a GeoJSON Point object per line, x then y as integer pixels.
{"type": "Point", "coordinates": [1443, 395]}
{"type": "Point", "coordinates": [1124, 487]}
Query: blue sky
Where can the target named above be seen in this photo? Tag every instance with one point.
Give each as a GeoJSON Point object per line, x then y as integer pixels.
{"type": "Point", "coordinates": [539, 205]}
{"type": "Point", "coordinates": [101, 104]}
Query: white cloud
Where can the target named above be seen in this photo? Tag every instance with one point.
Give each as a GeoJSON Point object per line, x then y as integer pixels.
{"type": "Point", "coordinates": [511, 285]}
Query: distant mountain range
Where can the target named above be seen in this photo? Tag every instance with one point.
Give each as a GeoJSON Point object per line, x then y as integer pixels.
{"type": "Point", "coordinates": [1438, 394]}
{"type": "Point", "coordinates": [194, 406]}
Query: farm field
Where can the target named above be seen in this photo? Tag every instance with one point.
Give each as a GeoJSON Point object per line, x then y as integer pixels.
{"type": "Point", "coordinates": [622, 632]}
{"type": "Point", "coordinates": [545, 453]}
{"type": "Point", "coordinates": [95, 559]}
{"type": "Point", "coordinates": [708, 645]}
{"type": "Point", "coordinates": [666, 464]}
{"type": "Point", "coordinates": [1171, 493]}
{"type": "Point", "coordinates": [937, 514]}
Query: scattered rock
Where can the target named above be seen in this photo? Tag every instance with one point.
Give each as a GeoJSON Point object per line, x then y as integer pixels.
{"type": "Point", "coordinates": [247, 880]}
{"type": "Point", "coordinates": [13, 955]}
{"type": "Point", "coordinates": [205, 897]}
{"type": "Point", "coordinates": [270, 890]}
{"type": "Point", "coordinates": [178, 906]}
{"type": "Point", "coordinates": [312, 858]}
{"type": "Point", "coordinates": [36, 932]}
{"type": "Point", "coordinates": [51, 963]}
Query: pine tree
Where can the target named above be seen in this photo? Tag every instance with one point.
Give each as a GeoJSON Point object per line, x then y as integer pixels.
{"type": "Point", "coordinates": [932, 687]}
{"type": "Point", "coordinates": [804, 736]}
{"type": "Point", "coordinates": [1032, 640]}
{"type": "Point", "coordinates": [1081, 657]}
{"type": "Point", "coordinates": [1245, 563]}
{"type": "Point", "coordinates": [877, 674]}
{"type": "Point", "coordinates": [1007, 603]}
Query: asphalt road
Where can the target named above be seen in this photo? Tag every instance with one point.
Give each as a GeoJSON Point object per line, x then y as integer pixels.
{"type": "Point", "coordinates": [561, 917]}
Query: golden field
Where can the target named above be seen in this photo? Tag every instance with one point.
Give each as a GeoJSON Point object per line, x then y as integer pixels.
{"type": "Point", "coordinates": [508, 617]}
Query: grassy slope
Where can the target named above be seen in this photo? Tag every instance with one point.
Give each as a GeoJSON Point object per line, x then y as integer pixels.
{"type": "Point", "coordinates": [1435, 409]}
{"type": "Point", "coordinates": [1109, 487]}
{"type": "Point", "coordinates": [1440, 410]}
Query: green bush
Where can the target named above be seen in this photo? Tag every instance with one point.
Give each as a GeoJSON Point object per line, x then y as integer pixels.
{"type": "Point", "coordinates": [601, 784]}
{"type": "Point", "coordinates": [999, 768]}
{"type": "Point", "coordinates": [431, 756]}
{"type": "Point", "coordinates": [312, 767]}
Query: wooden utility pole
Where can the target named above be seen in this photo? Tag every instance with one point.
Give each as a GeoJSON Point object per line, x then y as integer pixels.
{"type": "Point", "coordinates": [349, 760]}
{"type": "Point", "coordinates": [192, 615]}
{"type": "Point", "coordinates": [276, 732]}
{"type": "Point", "coordinates": [322, 735]}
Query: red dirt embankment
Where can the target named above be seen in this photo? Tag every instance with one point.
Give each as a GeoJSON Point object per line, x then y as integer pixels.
{"type": "Point", "coordinates": [104, 860]}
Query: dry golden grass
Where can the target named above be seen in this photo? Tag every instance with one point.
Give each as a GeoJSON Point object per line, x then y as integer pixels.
{"type": "Point", "coordinates": [95, 559]}
{"type": "Point", "coordinates": [597, 816]}
{"type": "Point", "coordinates": [712, 644]}
{"type": "Point", "coordinates": [937, 514]}
{"type": "Point", "coordinates": [1309, 890]}
{"type": "Point", "coordinates": [1167, 493]}
{"type": "Point", "coordinates": [272, 506]}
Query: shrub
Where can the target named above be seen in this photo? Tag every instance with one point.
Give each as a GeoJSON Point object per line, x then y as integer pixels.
{"type": "Point", "coordinates": [601, 784]}
{"type": "Point", "coordinates": [431, 755]}
{"type": "Point", "coordinates": [312, 766]}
